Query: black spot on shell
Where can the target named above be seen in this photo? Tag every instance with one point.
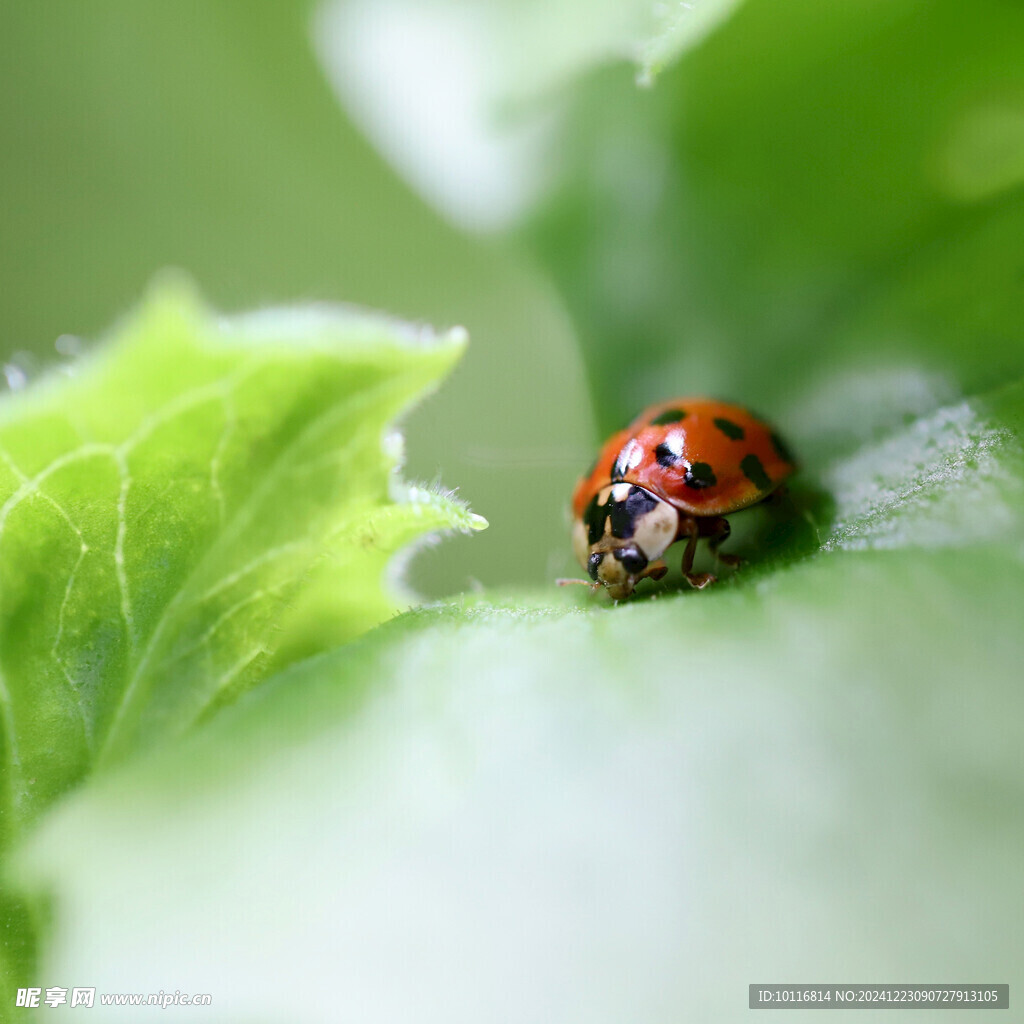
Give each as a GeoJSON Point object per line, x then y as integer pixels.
{"type": "Point", "coordinates": [754, 472]}
{"type": "Point", "coordinates": [781, 450]}
{"type": "Point", "coordinates": [699, 476]}
{"type": "Point", "coordinates": [668, 416]}
{"type": "Point", "coordinates": [731, 430]}
{"type": "Point", "coordinates": [665, 456]}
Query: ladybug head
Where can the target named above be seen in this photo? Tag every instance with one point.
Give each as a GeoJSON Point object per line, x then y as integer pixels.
{"type": "Point", "coordinates": [618, 569]}
{"type": "Point", "coordinates": [620, 534]}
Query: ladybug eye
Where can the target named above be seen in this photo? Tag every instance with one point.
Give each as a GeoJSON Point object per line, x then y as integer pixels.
{"type": "Point", "coordinates": [593, 564]}
{"type": "Point", "coordinates": [632, 559]}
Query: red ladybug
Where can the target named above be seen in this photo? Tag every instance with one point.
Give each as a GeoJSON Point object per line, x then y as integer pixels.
{"type": "Point", "coordinates": [673, 473]}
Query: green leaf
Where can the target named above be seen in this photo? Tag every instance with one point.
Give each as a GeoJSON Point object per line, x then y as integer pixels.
{"type": "Point", "coordinates": [202, 501]}
{"type": "Point", "coordinates": [813, 772]}
{"type": "Point", "coordinates": [814, 193]}
{"type": "Point", "coordinates": [540, 802]}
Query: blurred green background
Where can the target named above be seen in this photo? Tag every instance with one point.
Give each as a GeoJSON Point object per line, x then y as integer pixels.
{"type": "Point", "coordinates": [816, 209]}
{"type": "Point", "coordinates": [819, 190]}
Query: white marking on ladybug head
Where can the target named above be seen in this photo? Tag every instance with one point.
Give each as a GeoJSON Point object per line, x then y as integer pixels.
{"type": "Point", "coordinates": [655, 530]}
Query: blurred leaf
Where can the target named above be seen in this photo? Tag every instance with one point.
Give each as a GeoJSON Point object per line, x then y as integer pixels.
{"type": "Point", "coordinates": [199, 502]}
{"type": "Point", "coordinates": [640, 809]}
{"type": "Point", "coordinates": [815, 192]}
{"type": "Point", "coordinates": [474, 133]}
{"type": "Point", "coordinates": [952, 478]}
{"type": "Point", "coordinates": [678, 25]}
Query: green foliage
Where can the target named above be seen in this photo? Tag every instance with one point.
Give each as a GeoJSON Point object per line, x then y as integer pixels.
{"type": "Point", "coordinates": [135, 137]}
{"type": "Point", "coordinates": [200, 502]}
{"type": "Point", "coordinates": [676, 28]}
{"type": "Point", "coordinates": [584, 811]}
{"type": "Point", "coordinates": [636, 809]}
{"type": "Point", "coordinates": [670, 784]}
{"type": "Point", "coordinates": [817, 190]}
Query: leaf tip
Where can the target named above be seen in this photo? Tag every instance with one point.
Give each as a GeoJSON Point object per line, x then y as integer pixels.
{"type": "Point", "coordinates": [457, 336]}
{"type": "Point", "coordinates": [172, 288]}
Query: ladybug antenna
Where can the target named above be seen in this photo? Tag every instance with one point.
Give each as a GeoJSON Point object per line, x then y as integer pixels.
{"type": "Point", "coordinates": [585, 583]}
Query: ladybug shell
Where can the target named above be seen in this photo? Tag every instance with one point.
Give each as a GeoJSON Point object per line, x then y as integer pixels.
{"type": "Point", "coordinates": [707, 458]}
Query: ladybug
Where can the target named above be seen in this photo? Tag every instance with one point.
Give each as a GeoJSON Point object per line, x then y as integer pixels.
{"type": "Point", "coordinates": [672, 474]}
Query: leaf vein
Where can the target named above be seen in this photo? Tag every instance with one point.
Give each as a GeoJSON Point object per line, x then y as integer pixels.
{"type": "Point", "coordinates": [283, 464]}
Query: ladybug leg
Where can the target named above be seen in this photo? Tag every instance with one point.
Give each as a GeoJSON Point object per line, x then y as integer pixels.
{"type": "Point", "coordinates": [697, 580]}
{"type": "Point", "coordinates": [654, 571]}
{"type": "Point", "coordinates": [719, 530]}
